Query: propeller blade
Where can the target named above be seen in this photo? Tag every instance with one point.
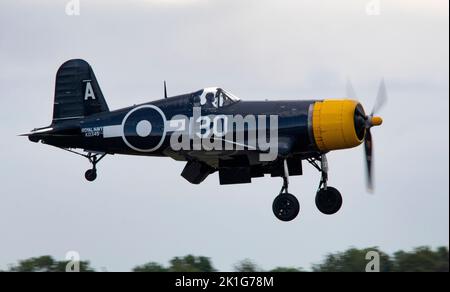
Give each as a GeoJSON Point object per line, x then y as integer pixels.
{"type": "Point", "coordinates": [368, 147]}
{"type": "Point", "coordinates": [367, 122]}
{"type": "Point", "coordinates": [350, 90]}
{"type": "Point", "coordinates": [381, 98]}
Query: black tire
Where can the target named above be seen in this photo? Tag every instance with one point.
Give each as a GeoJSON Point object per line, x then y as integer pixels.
{"type": "Point", "coordinates": [329, 201]}
{"type": "Point", "coordinates": [286, 207]}
{"type": "Point", "coordinates": [91, 175]}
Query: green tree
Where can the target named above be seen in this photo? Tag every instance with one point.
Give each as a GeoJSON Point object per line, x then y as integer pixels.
{"type": "Point", "coordinates": [46, 264]}
{"type": "Point", "coordinates": [352, 260]}
{"type": "Point", "coordinates": [187, 263]}
{"type": "Point", "coordinates": [40, 264]}
{"type": "Point", "coordinates": [443, 256]}
{"type": "Point", "coordinates": [191, 263]}
{"type": "Point", "coordinates": [422, 259]}
{"type": "Point", "coordinates": [246, 266]}
{"type": "Point", "coordinates": [286, 270]}
{"type": "Point", "coordinates": [150, 267]}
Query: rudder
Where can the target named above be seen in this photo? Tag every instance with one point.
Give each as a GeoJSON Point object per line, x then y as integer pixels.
{"type": "Point", "coordinates": [77, 93]}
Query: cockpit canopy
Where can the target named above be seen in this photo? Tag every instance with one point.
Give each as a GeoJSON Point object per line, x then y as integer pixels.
{"type": "Point", "coordinates": [214, 97]}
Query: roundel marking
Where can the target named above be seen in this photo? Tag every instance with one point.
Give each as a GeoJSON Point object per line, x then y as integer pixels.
{"type": "Point", "coordinates": [144, 128]}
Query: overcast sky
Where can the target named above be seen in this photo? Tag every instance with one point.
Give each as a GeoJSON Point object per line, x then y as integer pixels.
{"type": "Point", "coordinates": [140, 209]}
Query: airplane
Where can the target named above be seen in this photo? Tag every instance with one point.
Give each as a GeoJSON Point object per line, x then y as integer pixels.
{"type": "Point", "coordinates": [212, 130]}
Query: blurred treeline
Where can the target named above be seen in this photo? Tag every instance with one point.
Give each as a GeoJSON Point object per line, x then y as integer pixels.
{"type": "Point", "coordinates": [422, 259]}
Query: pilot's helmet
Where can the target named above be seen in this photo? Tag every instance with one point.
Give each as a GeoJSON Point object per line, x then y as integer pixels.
{"type": "Point", "coordinates": [210, 97]}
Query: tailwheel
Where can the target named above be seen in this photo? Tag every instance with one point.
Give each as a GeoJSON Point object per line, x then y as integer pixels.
{"type": "Point", "coordinates": [286, 207]}
{"type": "Point", "coordinates": [91, 175]}
{"type": "Point", "coordinates": [94, 159]}
{"type": "Point", "coordinates": [329, 200]}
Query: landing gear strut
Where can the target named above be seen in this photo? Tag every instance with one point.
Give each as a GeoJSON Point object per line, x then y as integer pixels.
{"type": "Point", "coordinates": [91, 174]}
{"type": "Point", "coordinates": [94, 158]}
{"type": "Point", "coordinates": [328, 199]}
{"type": "Point", "coordinates": [285, 206]}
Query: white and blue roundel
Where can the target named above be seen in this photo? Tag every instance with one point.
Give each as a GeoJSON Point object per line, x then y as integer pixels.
{"type": "Point", "coordinates": [143, 128]}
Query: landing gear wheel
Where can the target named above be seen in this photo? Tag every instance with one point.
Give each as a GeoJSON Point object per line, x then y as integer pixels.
{"type": "Point", "coordinates": [329, 201]}
{"type": "Point", "coordinates": [286, 207]}
{"type": "Point", "coordinates": [91, 175]}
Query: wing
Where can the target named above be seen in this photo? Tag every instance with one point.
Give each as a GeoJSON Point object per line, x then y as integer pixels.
{"type": "Point", "coordinates": [236, 167]}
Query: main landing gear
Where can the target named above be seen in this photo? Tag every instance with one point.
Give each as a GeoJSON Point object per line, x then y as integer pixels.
{"type": "Point", "coordinates": [285, 206]}
{"type": "Point", "coordinates": [328, 199]}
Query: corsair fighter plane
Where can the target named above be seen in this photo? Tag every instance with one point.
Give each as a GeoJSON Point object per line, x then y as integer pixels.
{"type": "Point", "coordinates": [211, 130]}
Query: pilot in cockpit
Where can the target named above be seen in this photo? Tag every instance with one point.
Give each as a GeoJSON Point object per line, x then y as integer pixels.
{"type": "Point", "coordinates": [214, 97]}
{"type": "Point", "coordinates": [210, 100]}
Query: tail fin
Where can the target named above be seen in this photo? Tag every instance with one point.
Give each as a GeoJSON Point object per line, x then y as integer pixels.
{"type": "Point", "coordinates": [77, 93]}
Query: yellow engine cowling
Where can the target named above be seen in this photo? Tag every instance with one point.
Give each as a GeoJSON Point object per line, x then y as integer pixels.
{"type": "Point", "coordinates": [333, 124]}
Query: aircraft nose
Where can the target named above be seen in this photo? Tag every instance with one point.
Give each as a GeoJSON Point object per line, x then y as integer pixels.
{"type": "Point", "coordinates": [338, 124]}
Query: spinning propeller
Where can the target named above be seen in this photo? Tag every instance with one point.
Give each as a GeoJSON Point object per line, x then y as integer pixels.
{"type": "Point", "coordinates": [364, 123]}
